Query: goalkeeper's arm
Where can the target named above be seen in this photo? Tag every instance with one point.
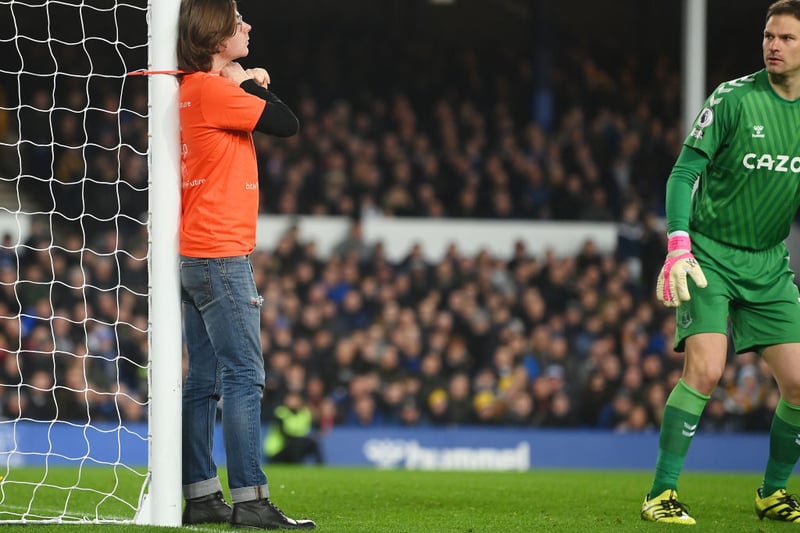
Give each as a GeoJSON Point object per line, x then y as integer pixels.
{"type": "Point", "coordinates": [687, 169]}
{"type": "Point", "coordinates": [672, 286]}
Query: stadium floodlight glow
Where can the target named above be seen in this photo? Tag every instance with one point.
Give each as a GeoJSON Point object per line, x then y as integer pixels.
{"type": "Point", "coordinates": [90, 340]}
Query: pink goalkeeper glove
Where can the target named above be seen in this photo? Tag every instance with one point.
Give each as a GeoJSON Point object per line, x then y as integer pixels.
{"type": "Point", "coordinates": [672, 287]}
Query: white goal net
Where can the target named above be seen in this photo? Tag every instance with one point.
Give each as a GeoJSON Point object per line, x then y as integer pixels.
{"type": "Point", "coordinates": [76, 248]}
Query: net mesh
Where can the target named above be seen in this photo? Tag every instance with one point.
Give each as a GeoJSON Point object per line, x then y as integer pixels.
{"type": "Point", "coordinates": [73, 260]}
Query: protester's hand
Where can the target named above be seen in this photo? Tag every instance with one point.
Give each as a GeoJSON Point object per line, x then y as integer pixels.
{"type": "Point", "coordinates": [672, 286]}
{"type": "Point", "coordinates": [259, 75]}
{"type": "Point", "coordinates": [234, 72]}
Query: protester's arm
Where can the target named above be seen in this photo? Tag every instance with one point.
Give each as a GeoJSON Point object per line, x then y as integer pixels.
{"type": "Point", "coordinates": [276, 119]}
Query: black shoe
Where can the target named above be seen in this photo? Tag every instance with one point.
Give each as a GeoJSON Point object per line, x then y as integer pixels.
{"type": "Point", "coordinates": [263, 514]}
{"type": "Point", "coordinates": [211, 509]}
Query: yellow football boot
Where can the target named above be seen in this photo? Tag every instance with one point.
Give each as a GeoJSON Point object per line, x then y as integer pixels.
{"type": "Point", "coordinates": [779, 505]}
{"type": "Point", "coordinates": [666, 508]}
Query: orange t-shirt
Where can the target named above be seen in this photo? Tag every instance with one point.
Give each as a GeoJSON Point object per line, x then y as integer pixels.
{"type": "Point", "coordinates": [219, 190]}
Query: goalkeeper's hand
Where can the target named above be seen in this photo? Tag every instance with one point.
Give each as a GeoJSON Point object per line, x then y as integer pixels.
{"type": "Point", "coordinates": [672, 287]}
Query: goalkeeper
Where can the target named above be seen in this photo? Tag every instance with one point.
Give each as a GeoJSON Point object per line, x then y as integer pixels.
{"type": "Point", "coordinates": [731, 199]}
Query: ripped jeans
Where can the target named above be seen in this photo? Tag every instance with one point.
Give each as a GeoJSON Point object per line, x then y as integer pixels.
{"type": "Point", "coordinates": [222, 331]}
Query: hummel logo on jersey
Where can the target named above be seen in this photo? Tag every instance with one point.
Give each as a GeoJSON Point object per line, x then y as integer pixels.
{"type": "Point", "coordinates": [758, 131]}
{"type": "Point", "coordinates": [797, 440]}
{"type": "Point", "coordinates": [689, 430]}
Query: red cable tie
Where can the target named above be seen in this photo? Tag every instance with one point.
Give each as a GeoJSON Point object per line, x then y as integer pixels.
{"type": "Point", "coordinates": [151, 72]}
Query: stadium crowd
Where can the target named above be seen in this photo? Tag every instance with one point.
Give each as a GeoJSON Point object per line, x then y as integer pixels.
{"type": "Point", "coordinates": [528, 341]}
{"type": "Point", "coordinates": [550, 341]}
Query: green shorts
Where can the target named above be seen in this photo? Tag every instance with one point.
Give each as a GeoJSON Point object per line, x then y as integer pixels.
{"type": "Point", "coordinates": [754, 289]}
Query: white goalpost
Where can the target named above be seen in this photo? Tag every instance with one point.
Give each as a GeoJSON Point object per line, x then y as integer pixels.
{"type": "Point", "coordinates": [163, 505]}
{"type": "Point", "coordinates": [90, 327]}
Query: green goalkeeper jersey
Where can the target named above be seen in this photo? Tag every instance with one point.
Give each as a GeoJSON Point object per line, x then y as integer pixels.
{"type": "Point", "coordinates": [750, 191]}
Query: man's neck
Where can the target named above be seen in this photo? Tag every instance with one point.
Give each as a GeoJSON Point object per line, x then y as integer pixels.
{"type": "Point", "coordinates": [787, 87]}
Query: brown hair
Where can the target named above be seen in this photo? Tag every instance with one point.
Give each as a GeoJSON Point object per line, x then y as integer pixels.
{"type": "Point", "coordinates": [785, 7]}
{"type": "Point", "coordinates": [202, 26]}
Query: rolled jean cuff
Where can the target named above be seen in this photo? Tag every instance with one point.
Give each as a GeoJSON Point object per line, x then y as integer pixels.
{"type": "Point", "coordinates": [202, 488]}
{"type": "Point", "coordinates": [248, 494]}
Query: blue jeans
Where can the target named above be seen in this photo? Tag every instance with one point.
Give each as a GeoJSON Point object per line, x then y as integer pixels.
{"type": "Point", "coordinates": [221, 320]}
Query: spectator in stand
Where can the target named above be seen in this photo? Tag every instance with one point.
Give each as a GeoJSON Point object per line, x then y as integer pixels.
{"type": "Point", "coordinates": [637, 420]}
{"type": "Point", "coordinates": [520, 410]}
{"type": "Point", "coordinates": [460, 400]}
{"type": "Point", "coordinates": [40, 401]}
{"type": "Point", "coordinates": [561, 413]}
{"type": "Point", "coordinates": [363, 411]}
{"type": "Point", "coordinates": [353, 244]}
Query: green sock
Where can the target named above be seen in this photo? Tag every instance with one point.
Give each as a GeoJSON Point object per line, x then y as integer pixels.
{"type": "Point", "coordinates": [678, 425]}
{"type": "Point", "coordinates": [784, 450]}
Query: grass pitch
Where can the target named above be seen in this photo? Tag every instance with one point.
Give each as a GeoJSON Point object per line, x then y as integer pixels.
{"type": "Point", "coordinates": [355, 500]}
